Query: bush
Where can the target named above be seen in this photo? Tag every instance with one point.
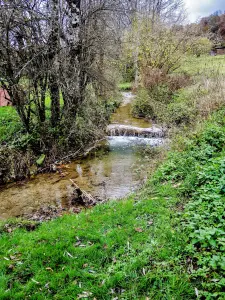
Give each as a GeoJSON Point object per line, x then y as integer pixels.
{"type": "Point", "coordinates": [155, 100]}
{"type": "Point", "coordinates": [198, 174]}
{"type": "Point", "coordinates": [152, 104]}
{"type": "Point", "coordinates": [151, 78]}
{"type": "Point", "coordinates": [180, 113]}
{"type": "Point", "coordinates": [14, 164]}
{"type": "Point", "coordinates": [143, 105]}
{"type": "Point", "coordinates": [178, 81]}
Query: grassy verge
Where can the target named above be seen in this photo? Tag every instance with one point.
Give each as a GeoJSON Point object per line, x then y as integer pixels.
{"type": "Point", "coordinates": [125, 86]}
{"type": "Point", "coordinates": [128, 249]}
{"type": "Point", "coordinates": [166, 242]}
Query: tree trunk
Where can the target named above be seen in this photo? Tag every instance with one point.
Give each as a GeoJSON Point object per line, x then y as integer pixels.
{"type": "Point", "coordinates": [55, 101]}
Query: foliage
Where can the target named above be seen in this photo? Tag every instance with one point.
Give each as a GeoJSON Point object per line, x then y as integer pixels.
{"type": "Point", "coordinates": [214, 26]}
{"type": "Point", "coordinates": [201, 46]}
{"type": "Point", "coordinates": [142, 106]}
{"type": "Point", "coordinates": [180, 113]}
{"type": "Point", "coordinates": [161, 48]}
{"type": "Point", "coordinates": [199, 174]}
{"type": "Point", "coordinates": [159, 102]}
{"type": "Point", "coordinates": [172, 100]}
{"type": "Point", "coordinates": [154, 47]}
{"type": "Point", "coordinates": [166, 242]}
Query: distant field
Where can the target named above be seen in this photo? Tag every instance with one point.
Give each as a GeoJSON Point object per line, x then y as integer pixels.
{"type": "Point", "coordinates": [125, 86]}
{"type": "Point", "coordinates": [206, 64]}
{"type": "Point", "coordinates": [9, 123]}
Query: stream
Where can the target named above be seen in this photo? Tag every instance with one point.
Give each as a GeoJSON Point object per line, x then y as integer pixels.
{"type": "Point", "coordinates": [112, 171]}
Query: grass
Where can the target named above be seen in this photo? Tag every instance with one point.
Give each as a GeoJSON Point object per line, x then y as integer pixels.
{"type": "Point", "coordinates": [125, 86]}
{"type": "Point", "coordinates": [203, 65]}
{"type": "Point", "coordinates": [147, 246]}
{"type": "Point", "coordinates": [9, 123]}
{"type": "Point", "coordinates": [128, 249]}
{"type": "Point", "coordinates": [167, 241]}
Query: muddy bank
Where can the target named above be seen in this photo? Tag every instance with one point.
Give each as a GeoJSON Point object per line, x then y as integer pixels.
{"type": "Point", "coordinates": [17, 165]}
{"type": "Point", "coordinates": [14, 165]}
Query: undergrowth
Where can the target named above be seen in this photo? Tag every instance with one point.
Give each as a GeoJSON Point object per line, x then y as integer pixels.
{"type": "Point", "coordinates": [194, 91]}
{"type": "Point", "coordinates": [198, 173]}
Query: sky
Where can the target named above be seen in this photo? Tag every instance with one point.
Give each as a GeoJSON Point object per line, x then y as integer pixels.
{"type": "Point", "coordinates": [202, 8]}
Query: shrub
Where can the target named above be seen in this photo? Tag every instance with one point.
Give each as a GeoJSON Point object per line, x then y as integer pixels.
{"type": "Point", "coordinates": [180, 113]}
{"type": "Point", "coordinates": [152, 77]}
{"type": "Point", "coordinates": [158, 93]}
{"type": "Point", "coordinates": [14, 164]}
{"type": "Point", "coordinates": [178, 81]}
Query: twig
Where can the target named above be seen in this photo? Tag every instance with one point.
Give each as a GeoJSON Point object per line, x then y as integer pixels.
{"type": "Point", "coordinates": [83, 192]}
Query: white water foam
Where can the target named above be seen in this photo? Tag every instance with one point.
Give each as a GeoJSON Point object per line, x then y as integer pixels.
{"type": "Point", "coordinates": [130, 141]}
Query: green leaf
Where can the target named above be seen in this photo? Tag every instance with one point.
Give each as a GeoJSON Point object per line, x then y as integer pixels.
{"type": "Point", "coordinates": [40, 160]}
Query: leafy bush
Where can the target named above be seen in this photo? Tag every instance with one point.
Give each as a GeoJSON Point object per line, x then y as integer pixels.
{"type": "Point", "coordinates": [157, 99]}
{"type": "Point", "coordinates": [199, 174]}
{"type": "Point", "coordinates": [180, 113]}
{"type": "Point", "coordinates": [143, 105]}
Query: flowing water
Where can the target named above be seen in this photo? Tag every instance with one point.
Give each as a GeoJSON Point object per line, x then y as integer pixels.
{"type": "Point", "coordinates": [117, 168]}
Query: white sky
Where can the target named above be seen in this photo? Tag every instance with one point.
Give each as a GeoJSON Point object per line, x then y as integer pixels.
{"type": "Point", "coordinates": [201, 8]}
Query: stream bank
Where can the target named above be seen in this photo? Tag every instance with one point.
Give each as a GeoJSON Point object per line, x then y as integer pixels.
{"type": "Point", "coordinates": [115, 169]}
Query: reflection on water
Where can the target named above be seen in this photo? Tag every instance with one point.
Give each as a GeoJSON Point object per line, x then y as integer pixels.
{"type": "Point", "coordinates": [110, 173]}
{"type": "Point", "coordinates": [124, 116]}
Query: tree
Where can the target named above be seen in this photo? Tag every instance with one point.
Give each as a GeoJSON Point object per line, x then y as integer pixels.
{"type": "Point", "coordinates": [200, 46]}
{"type": "Point", "coordinates": [52, 50]}
{"type": "Point", "coordinates": [214, 27]}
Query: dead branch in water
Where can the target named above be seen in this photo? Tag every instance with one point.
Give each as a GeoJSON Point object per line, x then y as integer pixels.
{"type": "Point", "coordinates": [81, 193]}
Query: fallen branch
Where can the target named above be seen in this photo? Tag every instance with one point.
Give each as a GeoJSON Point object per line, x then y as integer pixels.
{"type": "Point", "coordinates": [82, 192]}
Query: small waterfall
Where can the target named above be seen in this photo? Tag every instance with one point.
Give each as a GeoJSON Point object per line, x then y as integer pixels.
{"type": "Point", "coordinates": [127, 142]}
{"type": "Point", "coordinates": [132, 131]}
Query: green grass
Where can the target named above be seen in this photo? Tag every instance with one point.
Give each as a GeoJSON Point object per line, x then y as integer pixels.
{"type": "Point", "coordinates": [203, 65]}
{"type": "Point", "coordinates": [147, 246]}
{"type": "Point", "coordinates": [125, 86]}
{"type": "Point", "coordinates": [9, 123]}
{"type": "Point", "coordinates": [128, 249]}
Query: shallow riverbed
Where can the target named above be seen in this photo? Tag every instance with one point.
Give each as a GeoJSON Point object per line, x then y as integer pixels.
{"type": "Point", "coordinates": [111, 172]}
